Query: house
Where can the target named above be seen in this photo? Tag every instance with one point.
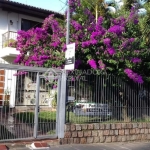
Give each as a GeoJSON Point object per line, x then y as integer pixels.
{"type": "Point", "coordinates": [15, 16]}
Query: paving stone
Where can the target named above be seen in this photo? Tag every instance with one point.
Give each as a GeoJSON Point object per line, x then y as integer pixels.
{"type": "Point", "coordinates": [113, 126]}
{"type": "Point", "coordinates": [73, 127]}
{"type": "Point", "coordinates": [90, 126]}
{"type": "Point", "coordinates": [78, 127]}
{"type": "Point", "coordinates": [94, 133]}
{"type": "Point", "coordinates": [90, 140]}
{"type": "Point", "coordinates": [121, 132]}
{"type": "Point", "coordinates": [102, 126]}
{"type": "Point", "coordinates": [87, 133]}
{"type": "Point", "coordinates": [106, 132]}
{"type": "Point", "coordinates": [108, 139]}
{"type": "Point", "coordinates": [67, 134]}
{"type": "Point", "coordinates": [67, 127]}
{"type": "Point", "coordinates": [84, 126]}
{"type": "Point", "coordinates": [108, 126]}
{"type": "Point", "coordinates": [96, 126]}
{"type": "Point", "coordinates": [83, 141]}
{"type": "Point", "coordinates": [74, 134]}
{"type": "Point", "coordinates": [118, 126]}
{"type": "Point", "coordinates": [80, 133]}
{"type": "Point", "coordinates": [76, 140]}
{"type": "Point", "coordinates": [96, 139]}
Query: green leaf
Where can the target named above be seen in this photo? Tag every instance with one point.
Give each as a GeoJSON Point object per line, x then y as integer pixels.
{"type": "Point", "coordinates": [110, 68]}
{"type": "Point", "coordinates": [112, 61]}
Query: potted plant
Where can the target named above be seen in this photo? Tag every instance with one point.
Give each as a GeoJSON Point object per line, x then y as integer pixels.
{"type": "Point", "coordinates": [6, 101]}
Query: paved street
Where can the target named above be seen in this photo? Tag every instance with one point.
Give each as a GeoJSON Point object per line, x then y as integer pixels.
{"type": "Point", "coordinates": [115, 146]}
{"type": "Point", "coordinates": [105, 146]}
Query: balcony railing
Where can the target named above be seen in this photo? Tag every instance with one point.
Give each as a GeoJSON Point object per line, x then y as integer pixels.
{"type": "Point", "coordinates": [9, 39]}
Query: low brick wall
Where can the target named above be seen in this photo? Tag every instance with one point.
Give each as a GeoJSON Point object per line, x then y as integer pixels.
{"type": "Point", "coordinates": [100, 133]}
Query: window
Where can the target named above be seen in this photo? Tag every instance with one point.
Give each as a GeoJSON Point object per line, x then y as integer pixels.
{"type": "Point", "coordinates": [28, 24]}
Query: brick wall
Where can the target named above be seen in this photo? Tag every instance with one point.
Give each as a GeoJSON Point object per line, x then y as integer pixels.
{"type": "Point", "coordinates": [100, 133]}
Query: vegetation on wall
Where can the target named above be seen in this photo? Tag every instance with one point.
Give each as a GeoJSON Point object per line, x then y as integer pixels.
{"type": "Point", "coordinates": [112, 44]}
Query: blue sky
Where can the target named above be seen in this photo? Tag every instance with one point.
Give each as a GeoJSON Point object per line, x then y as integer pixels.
{"type": "Point", "coordinates": [55, 5]}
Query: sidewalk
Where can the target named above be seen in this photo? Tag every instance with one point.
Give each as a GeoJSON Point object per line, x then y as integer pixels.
{"type": "Point", "coordinates": [104, 146]}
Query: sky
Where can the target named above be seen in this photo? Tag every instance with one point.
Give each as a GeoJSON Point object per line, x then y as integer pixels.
{"type": "Point", "coordinates": [54, 5]}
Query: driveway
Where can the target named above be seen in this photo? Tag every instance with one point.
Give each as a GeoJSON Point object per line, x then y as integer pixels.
{"type": "Point", "coordinates": [105, 146]}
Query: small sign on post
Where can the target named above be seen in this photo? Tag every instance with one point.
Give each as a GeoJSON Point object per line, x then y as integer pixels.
{"type": "Point", "coordinates": [70, 57]}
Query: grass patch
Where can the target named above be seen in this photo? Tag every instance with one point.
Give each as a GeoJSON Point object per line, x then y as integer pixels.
{"type": "Point", "coordinates": [50, 117]}
{"type": "Point", "coordinates": [84, 119]}
{"type": "Point", "coordinates": [46, 120]}
{"type": "Point", "coordinates": [5, 134]}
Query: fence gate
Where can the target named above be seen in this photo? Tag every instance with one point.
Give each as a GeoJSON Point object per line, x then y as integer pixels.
{"type": "Point", "coordinates": [46, 109]}
{"type": "Point", "coordinates": [29, 103]}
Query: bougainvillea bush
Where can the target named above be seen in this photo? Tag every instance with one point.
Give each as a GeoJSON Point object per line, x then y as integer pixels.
{"type": "Point", "coordinates": [112, 44]}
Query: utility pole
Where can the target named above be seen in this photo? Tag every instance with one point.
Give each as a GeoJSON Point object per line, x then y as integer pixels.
{"type": "Point", "coordinates": [68, 23]}
{"type": "Point", "coordinates": [63, 87]}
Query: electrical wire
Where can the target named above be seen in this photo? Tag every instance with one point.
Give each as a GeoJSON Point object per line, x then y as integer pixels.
{"type": "Point", "coordinates": [63, 6]}
{"type": "Point", "coordinates": [62, 9]}
{"type": "Point", "coordinates": [64, 2]}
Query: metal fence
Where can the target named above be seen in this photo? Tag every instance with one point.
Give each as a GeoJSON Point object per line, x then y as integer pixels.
{"type": "Point", "coordinates": [28, 103]}
{"type": "Point", "coordinates": [106, 98]}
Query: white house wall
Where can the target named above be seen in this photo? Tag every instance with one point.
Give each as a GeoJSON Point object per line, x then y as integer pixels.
{"type": "Point", "coordinates": [5, 17]}
{"type": "Point", "coordinates": [5, 26]}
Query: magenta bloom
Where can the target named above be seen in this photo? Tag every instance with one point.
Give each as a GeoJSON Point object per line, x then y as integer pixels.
{"type": "Point", "coordinates": [76, 25]}
{"type": "Point", "coordinates": [101, 65]}
{"type": "Point", "coordinates": [131, 39]}
{"type": "Point", "coordinates": [111, 51]}
{"type": "Point", "coordinates": [116, 29]}
{"type": "Point", "coordinates": [92, 63]}
{"type": "Point", "coordinates": [93, 41]}
{"type": "Point", "coordinates": [54, 86]}
{"type": "Point", "coordinates": [85, 44]}
{"type": "Point", "coordinates": [134, 76]}
{"type": "Point", "coordinates": [107, 41]}
{"type": "Point", "coordinates": [136, 60]}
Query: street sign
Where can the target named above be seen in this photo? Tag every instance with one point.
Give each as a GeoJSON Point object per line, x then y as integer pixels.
{"type": "Point", "coordinates": [70, 57]}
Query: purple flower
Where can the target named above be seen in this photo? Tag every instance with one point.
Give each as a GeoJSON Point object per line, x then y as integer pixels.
{"type": "Point", "coordinates": [94, 35]}
{"type": "Point", "coordinates": [54, 86]}
{"type": "Point", "coordinates": [72, 79]}
{"type": "Point", "coordinates": [134, 76]}
{"type": "Point", "coordinates": [64, 48]}
{"type": "Point", "coordinates": [55, 44]}
{"type": "Point", "coordinates": [131, 40]}
{"type": "Point", "coordinates": [85, 44]}
{"type": "Point", "coordinates": [107, 41]}
{"type": "Point", "coordinates": [92, 63]}
{"type": "Point", "coordinates": [100, 20]}
{"type": "Point", "coordinates": [136, 21]}
{"type": "Point", "coordinates": [116, 29]}
{"type": "Point", "coordinates": [18, 59]}
{"type": "Point", "coordinates": [101, 65]}
{"type": "Point", "coordinates": [121, 21]}
{"type": "Point", "coordinates": [111, 51]}
{"type": "Point", "coordinates": [93, 41]}
{"type": "Point", "coordinates": [76, 25]}
{"type": "Point", "coordinates": [136, 60]}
